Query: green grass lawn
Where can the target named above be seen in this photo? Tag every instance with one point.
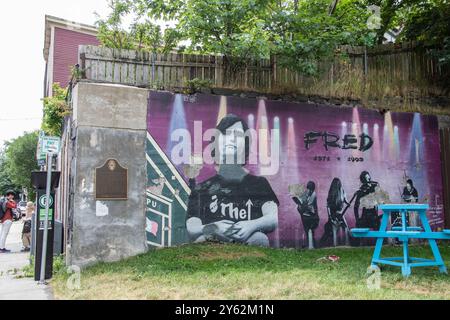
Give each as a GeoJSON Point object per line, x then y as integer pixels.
{"type": "Point", "coordinates": [219, 271]}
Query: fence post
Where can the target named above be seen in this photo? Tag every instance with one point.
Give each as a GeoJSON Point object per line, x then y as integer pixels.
{"type": "Point", "coordinates": [218, 70]}
{"type": "Point", "coordinates": [273, 72]}
{"type": "Point", "coordinates": [365, 61]}
{"type": "Point", "coordinates": [82, 61]}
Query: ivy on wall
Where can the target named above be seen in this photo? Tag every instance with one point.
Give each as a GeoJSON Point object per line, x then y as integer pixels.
{"type": "Point", "coordinates": [55, 109]}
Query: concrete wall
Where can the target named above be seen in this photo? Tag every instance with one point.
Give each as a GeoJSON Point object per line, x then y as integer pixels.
{"type": "Point", "coordinates": [110, 122]}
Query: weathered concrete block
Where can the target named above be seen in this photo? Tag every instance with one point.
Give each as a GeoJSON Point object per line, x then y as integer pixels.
{"type": "Point", "coordinates": [110, 123]}
{"type": "Point", "coordinates": [110, 106]}
{"type": "Point", "coordinates": [108, 230]}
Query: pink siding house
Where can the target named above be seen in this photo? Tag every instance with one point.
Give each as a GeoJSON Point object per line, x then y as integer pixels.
{"type": "Point", "coordinates": [62, 39]}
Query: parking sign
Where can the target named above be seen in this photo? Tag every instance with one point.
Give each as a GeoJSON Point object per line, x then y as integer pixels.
{"type": "Point", "coordinates": [50, 145]}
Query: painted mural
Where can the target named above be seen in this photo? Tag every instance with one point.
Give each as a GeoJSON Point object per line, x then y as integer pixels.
{"type": "Point", "coordinates": [281, 174]}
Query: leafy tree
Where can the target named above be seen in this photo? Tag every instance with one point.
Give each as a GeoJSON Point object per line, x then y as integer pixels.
{"type": "Point", "coordinates": [110, 30]}
{"type": "Point", "coordinates": [298, 32]}
{"type": "Point", "coordinates": [426, 21]}
{"type": "Point", "coordinates": [301, 32]}
{"type": "Point", "coordinates": [388, 12]}
{"type": "Point", "coordinates": [312, 31]}
{"type": "Point", "coordinates": [55, 109]}
{"type": "Point", "coordinates": [149, 36]}
{"type": "Point", "coordinates": [21, 160]}
{"type": "Point", "coordinates": [143, 34]}
{"type": "Point", "coordinates": [5, 180]}
{"type": "Point", "coordinates": [227, 27]}
{"type": "Point", "coordinates": [423, 21]}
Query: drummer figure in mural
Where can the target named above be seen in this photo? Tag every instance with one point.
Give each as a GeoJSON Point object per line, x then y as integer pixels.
{"type": "Point", "coordinates": [233, 205]}
{"type": "Point", "coordinates": [409, 195]}
{"type": "Point", "coordinates": [369, 214]}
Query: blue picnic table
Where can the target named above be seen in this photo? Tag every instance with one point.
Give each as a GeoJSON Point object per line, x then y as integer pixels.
{"type": "Point", "coordinates": [404, 233]}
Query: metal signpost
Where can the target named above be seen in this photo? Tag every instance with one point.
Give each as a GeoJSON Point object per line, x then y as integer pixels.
{"type": "Point", "coordinates": [47, 203]}
{"type": "Point", "coordinates": [49, 146]}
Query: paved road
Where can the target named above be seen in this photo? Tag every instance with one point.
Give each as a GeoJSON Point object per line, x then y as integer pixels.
{"type": "Point", "coordinates": [12, 287]}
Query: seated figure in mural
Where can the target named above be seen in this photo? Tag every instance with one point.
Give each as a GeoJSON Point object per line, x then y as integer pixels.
{"type": "Point", "coordinates": [307, 207]}
{"type": "Point", "coordinates": [365, 197]}
{"type": "Point", "coordinates": [233, 205]}
{"type": "Point", "coordinates": [337, 205]}
{"type": "Point", "coordinates": [409, 195]}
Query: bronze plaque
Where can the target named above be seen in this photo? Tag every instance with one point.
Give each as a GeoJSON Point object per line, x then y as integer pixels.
{"type": "Point", "coordinates": [111, 181]}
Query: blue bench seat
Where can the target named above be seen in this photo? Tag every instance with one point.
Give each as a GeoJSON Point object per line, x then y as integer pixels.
{"type": "Point", "coordinates": [360, 230]}
{"type": "Point", "coordinates": [403, 233]}
{"type": "Point", "coordinates": [407, 228]}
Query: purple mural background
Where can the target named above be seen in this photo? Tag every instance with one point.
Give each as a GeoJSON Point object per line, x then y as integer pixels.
{"type": "Point", "coordinates": [404, 144]}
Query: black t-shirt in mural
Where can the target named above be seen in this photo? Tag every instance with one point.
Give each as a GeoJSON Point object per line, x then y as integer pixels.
{"type": "Point", "coordinates": [218, 199]}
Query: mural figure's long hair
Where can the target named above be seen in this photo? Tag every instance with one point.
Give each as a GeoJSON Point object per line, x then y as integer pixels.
{"type": "Point", "coordinates": [336, 194]}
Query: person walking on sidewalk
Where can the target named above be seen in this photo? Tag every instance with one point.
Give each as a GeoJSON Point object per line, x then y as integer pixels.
{"type": "Point", "coordinates": [26, 231]}
{"type": "Point", "coordinates": [6, 218]}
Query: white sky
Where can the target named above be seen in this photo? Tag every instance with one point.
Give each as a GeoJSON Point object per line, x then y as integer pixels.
{"type": "Point", "coordinates": [22, 63]}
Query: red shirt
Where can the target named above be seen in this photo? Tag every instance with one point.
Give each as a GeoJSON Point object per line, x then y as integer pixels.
{"type": "Point", "coordinates": [8, 213]}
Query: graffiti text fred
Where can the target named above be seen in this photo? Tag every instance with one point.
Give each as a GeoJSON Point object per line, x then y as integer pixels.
{"type": "Point", "coordinates": [331, 140]}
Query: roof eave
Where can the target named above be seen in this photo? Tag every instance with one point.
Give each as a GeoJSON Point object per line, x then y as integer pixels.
{"type": "Point", "coordinates": [64, 24]}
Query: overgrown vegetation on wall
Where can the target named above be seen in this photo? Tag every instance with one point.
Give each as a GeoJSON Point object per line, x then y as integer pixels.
{"type": "Point", "coordinates": [400, 78]}
{"type": "Point", "coordinates": [55, 109]}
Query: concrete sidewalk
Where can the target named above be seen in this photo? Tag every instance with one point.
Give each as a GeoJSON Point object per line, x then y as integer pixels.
{"type": "Point", "coordinates": [11, 264]}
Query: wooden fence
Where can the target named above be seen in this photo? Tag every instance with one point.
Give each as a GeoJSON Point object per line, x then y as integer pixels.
{"type": "Point", "coordinates": [404, 77]}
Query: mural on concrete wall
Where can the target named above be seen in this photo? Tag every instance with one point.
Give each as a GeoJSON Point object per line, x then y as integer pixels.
{"type": "Point", "coordinates": [282, 174]}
